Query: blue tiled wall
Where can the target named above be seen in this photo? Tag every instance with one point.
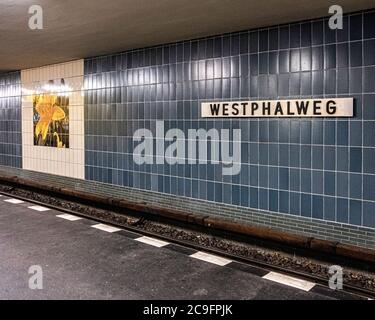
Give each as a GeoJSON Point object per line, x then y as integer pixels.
{"type": "Point", "coordinates": [319, 168]}
{"type": "Point", "coordinates": [10, 120]}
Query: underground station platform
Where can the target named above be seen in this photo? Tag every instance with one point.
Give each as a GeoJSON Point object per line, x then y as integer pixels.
{"type": "Point", "coordinates": [187, 158]}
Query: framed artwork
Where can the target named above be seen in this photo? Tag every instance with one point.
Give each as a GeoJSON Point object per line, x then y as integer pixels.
{"type": "Point", "coordinates": [51, 116]}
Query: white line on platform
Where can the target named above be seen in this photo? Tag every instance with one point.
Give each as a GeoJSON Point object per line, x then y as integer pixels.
{"type": "Point", "coordinates": [105, 227]}
{"type": "Point", "coordinates": [289, 281]}
{"type": "Point", "coordinates": [39, 208]}
{"type": "Point", "coordinates": [14, 201]}
{"type": "Point", "coordinates": [69, 217]}
{"type": "Point", "coordinates": [152, 241]}
{"type": "Point", "coordinates": [211, 258]}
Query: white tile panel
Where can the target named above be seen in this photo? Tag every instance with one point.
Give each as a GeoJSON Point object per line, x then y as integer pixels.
{"type": "Point", "coordinates": [66, 162]}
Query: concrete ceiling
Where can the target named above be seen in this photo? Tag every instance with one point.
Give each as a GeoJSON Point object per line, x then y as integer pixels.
{"type": "Point", "coordinates": [78, 29]}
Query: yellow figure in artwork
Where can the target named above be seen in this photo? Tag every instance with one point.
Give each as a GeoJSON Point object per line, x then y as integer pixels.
{"type": "Point", "coordinates": [49, 111]}
{"type": "Point", "coordinates": [59, 142]}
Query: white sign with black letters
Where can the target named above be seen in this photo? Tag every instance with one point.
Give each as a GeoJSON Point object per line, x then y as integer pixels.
{"type": "Point", "coordinates": [332, 107]}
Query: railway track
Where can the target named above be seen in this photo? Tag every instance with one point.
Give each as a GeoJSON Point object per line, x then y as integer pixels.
{"type": "Point", "coordinates": [359, 292]}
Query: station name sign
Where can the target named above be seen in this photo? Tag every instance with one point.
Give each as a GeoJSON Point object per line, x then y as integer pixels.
{"type": "Point", "coordinates": [340, 107]}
